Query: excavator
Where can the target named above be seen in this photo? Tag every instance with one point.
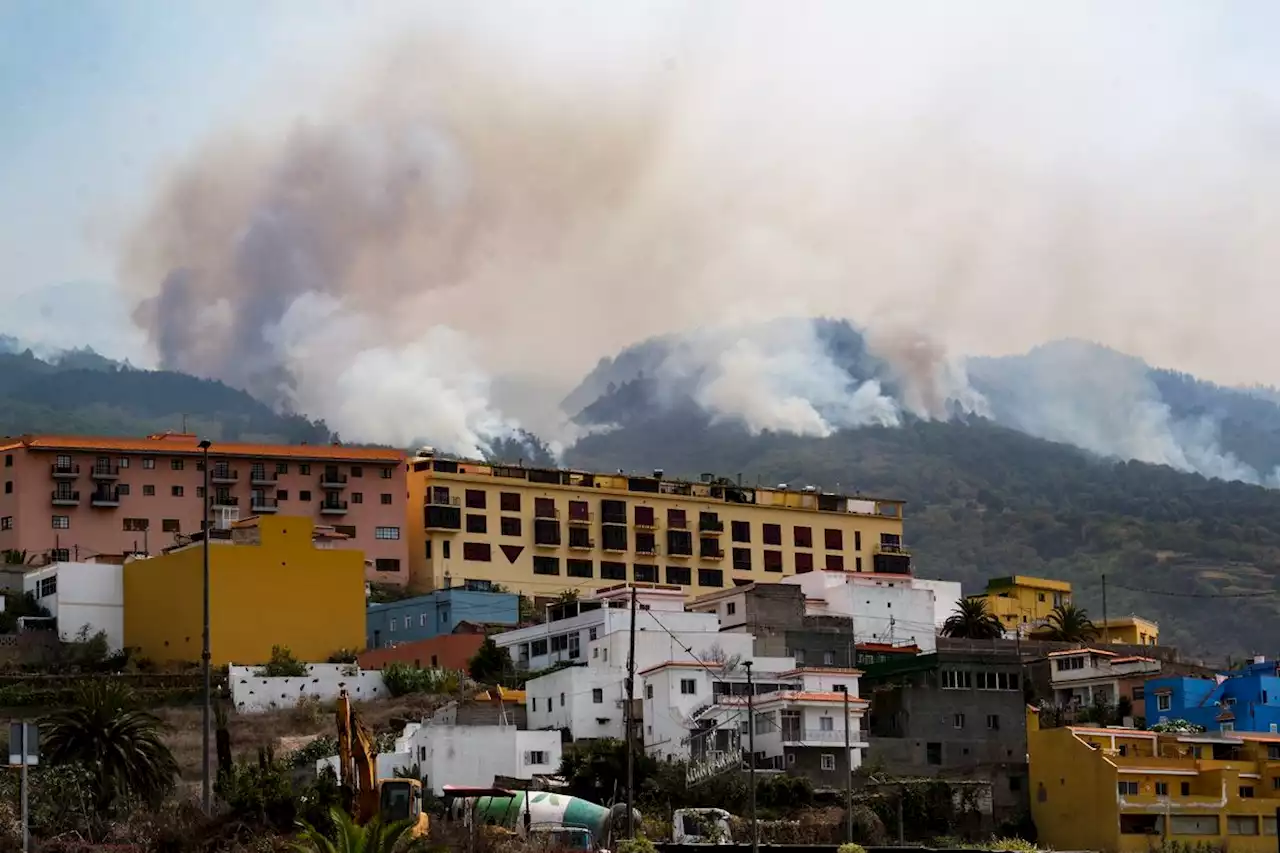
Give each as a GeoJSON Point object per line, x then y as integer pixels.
{"type": "Point", "coordinates": [393, 800]}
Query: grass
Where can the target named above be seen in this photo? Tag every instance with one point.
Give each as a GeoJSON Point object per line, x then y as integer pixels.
{"type": "Point", "coordinates": [283, 730]}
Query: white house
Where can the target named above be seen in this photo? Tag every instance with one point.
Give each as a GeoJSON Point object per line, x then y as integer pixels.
{"type": "Point", "coordinates": [589, 701]}
{"type": "Point", "coordinates": [884, 608]}
{"type": "Point", "coordinates": [1081, 676]}
{"type": "Point", "coordinates": [80, 595]}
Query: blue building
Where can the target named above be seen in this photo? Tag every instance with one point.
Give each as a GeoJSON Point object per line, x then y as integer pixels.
{"type": "Point", "coordinates": [1244, 700]}
{"type": "Point", "coordinates": [439, 612]}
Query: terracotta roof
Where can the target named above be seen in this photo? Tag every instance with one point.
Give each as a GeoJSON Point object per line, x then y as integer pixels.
{"type": "Point", "coordinates": [1081, 651]}
{"type": "Point", "coordinates": [186, 444]}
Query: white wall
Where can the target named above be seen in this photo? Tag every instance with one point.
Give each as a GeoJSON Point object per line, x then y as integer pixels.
{"type": "Point", "coordinates": [252, 693]}
{"type": "Point", "coordinates": [474, 755]}
{"type": "Point", "coordinates": [945, 596]}
{"type": "Point", "coordinates": [567, 699]}
{"type": "Point", "coordinates": [883, 609]}
{"type": "Point", "coordinates": [388, 763]}
{"type": "Point", "coordinates": [87, 594]}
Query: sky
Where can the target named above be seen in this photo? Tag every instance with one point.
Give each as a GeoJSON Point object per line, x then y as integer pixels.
{"type": "Point", "coordinates": [1157, 119]}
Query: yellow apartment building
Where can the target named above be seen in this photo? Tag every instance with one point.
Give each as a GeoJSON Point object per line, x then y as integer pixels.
{"type": "Point", "coordinates": [1130, 630]}
{"type": "Point", "coordinates": [273, 580]}
{"type": "Point", "coordinates": [1128, 791]}
{"type": "Point", "coordinates": [540, 531]}
{"type": "Point", "coordinates": [1022, 600]}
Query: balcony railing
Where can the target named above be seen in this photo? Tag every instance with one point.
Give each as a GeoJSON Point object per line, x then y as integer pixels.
{"type": "Point", "coordinates": [613, 518]}
{"type": "Point", "coordinates": [651, 524]}
{"type": "Point", "coordinates": [581, 545]}
{"type": "Point", "coordinates": [793, 735]}
{"type": "Point", "coordinates": [711, 555]}
{"type": "Point", "coordinates": [223, 475]}
{"type": "Point", "coordinates": [61, 471]}
{"type": "Point", "coordinates": [581, 519]}
{"type": "Point", "coordinates": [884, 548]}
{"type": "Point", "coordinates": [65, 498]}
{"type": "Point", "coordinates": [546, 514]}
{"type": "Point", "coordinates": [224, 500]}
{"type": "Point", "coordinates": [263, 504]}
{"type": "Point", "coordinates": [333, 507]}
{"type": "Point", "coordinates": [333, 480]}
{"type": "Point", "coordinates": [435, 501]}
{"type": "Point", "coordinates": [263, 477]}
{"type": "Point", "coordinates": [647, 550]}
{"type": "Point", "coordinates": [442, 517]}
{"type": "Point", "coordinates": [105, 497]}
{"type": "Point", "coordinates": [711, 526]}
{"type": "Point", "coordinates": [105, 472]}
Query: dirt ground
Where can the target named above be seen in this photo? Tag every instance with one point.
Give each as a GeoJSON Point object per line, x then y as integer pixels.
{"type": "Point", "coordinates": [282, 730]}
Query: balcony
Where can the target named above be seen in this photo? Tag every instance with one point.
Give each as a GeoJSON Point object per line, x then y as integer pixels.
{"type": "Point", "coordinates": [581, 519]}
{"type": "Point", "coordinates": [262, 504]}
{"type": "Point", "coordinates": [647, 550]}
{"type": "Point", "coordinates": [801, 737]}
{"type": "Point", "coordinates": [224, 500]}
{"type": "Point", "coordinates": [546, 514]}
{"type": "Point", "coordinates": [332, 507]}
{"type": "Point", "coordinates": [613, 518]}
{"type": "Point", "coordinates": [62, 497]}
{"type": "Point", "coordinates": [581, 545]}
{"type": "Point", "coordinates": [333, 480]}
{"type": "Point", "coordinates": [105, 497]}
{"type": "Point", "coordinates": [223, 476]}
{"type": "Point", "coordinates": [262, 477]}
{"type": "Point", "coordinates": [64, 472]}
{"type": "Point", "coordinates": [710, 526]}
{"type": "Point", "coordinates": [711, 555]}
{"type": "Point", "coordinates": [105, 472]}
{"type": "Point", "coordinates": [445, 517]}
{"type": "Point", "coordinates": [650, 524]}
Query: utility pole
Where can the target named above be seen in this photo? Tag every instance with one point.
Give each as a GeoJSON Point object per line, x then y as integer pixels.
{"type": "Point", "coordinates": [630, 721]}
{"type": "Point", "coordinates": [751, 760]}
{"type": "Point", "coordinates": [848, 776]}
{"type": "Point", "coordinates": [1106, 631]}
{"type": "Point", "coordinates": [206, 793]}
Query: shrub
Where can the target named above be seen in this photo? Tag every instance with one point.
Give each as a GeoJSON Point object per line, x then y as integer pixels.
{"type": "Point", "coordinates": [281, 665]}
{"type": "Point", "coordinates": [343, 656]}
{"type": "Point", "coordinates": [639, 844]}
{"type": "Point", "coordinates": [402, 679]}
{"type": "Point", "coordinates": [850, 847]}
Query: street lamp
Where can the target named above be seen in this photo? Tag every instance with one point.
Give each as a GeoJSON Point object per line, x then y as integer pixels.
{"type": "Point", "coordinates": [205, 791]}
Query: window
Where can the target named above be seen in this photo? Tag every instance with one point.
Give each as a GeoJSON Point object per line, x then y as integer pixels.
{"type": "Point", "coordinates": [679, 575]}
{"type": "Point", "coordinates": [391, 625]}
{"type": "Point", "coordinates": [644, 574]}
{"type": "Point", "coordinates": [956, 679]}
{"type": "Point", "coordinates": [357, 497]}
{"type": "Point", "coordinates": [834, 539]}
{"type": "Point", "coordinates": [538, 648]}
{"type": "Point", "coordinates": [176, 464]}
{"type": "Point", "coordinates": [688, 687]}
{"type": "Point", "coordinates": [386, 533]}
{"type": "Point", "coordinates": [357, 471]}
{"type": "Point", "coordinates": [60, 555]}
{"type": "Point", "coordinates": [993, 722]}
{"type": "Point", "coordinates": [148, 463]}
{"type": "Point", "coordinates": [304, 495]}
{"type": "Point", "coordinates": [135, 524]}
{"type": "Point", "coordinates": [386, 564]}
{"type": "Point", "coordinates": [828, 761]}
{"type": "Point", "coordinates": [385, 499]}
{"type": "Point", "coordinates": [148, 491]}
{"type": "Point", "coordinates": [597, 696]}
{"type": "Point", "coordinates": [741, 531]}
{"type": "Point", "coordinates": [176, 491]}
{"type": "Point", "coordinates": [933, 752]}
{"type": "Point", "coordinates": [1164, 702]}
{"type": "Point", "coordinates": [730, 608]}
{"type": "Point", "coordinates": [742, 559]}
{"type": "Point", "coordinates": [384, 473]}
{"type": "Point", "coordinates": [1185, 789]}
{"type": "Point", "coordinates": [8, 487]}
{"type": "Point", "coordinates": [509, 526]}
{"type": "Point", "coordinates": [1273, 752]}
{"type": "Point", "coordinates": [579, 568]}
{"type": "Point", "coordinates": [535, 703]}
{"type": "Point", "coordinates": [561, 700]}
{"type": "Point", "coordinates": [304, 468]}
{"type": "Point", "coordinates": [475, 498]}
{"type": "Point", "coordinates": [61, 522]}
{"type": "Point", "coordinates": [282, 467]}
{"type": "Point", "coordinates": [773, 561]}
{"type": "Point", "coordinates": [857, 540]}
{"type": "Point", "coordinates": [282, 494]}
{"type": "Point", "coordinates": [8, 460]}
{"type": "Point", "coordinates": [613, 571]}
{"type": "Point", "coordinates": [6, 523]}
{"type": "Point", "coordinates": [835, 562]}
{"type": "Point", "coordinates": [957, 721]}
{"type": "Point", "coordinates": [1162, 789]}
{"type": "Point", "coordinates": [546, 565]}
{"type": "Point", "coordinates": [710, 577]}
{"type": "Point", "coordinates": [122, 489]}
{"type": "Point", "coordinates": [48, 586]}
{"type": "Point", "coordinates": [509, 501]}
{"type": "Point", "coordinates": [1246, 792]}
{"type": "Point", "coordinates": [826, 724]}
{"type": "Point", "coordinates": [1129, 789]}
{"type": "Point", "coordinates": [828, 658]}
{"type": "Point", "coordinates": [648, 691]}
{"type": "Point", "coordinates": [477, 523]}
{"type": "Point", "coordinates": [803, 537]}
{"type": "Point", "coordinates": [537, 757]}
{"type": "Point", "coordinates": [422, 620]}
{"type": "Point", "coordinates": [478, 552]}
{"type": "Point", "coordinates": [1275, 783]}
{"type": "Point", "coordinates": [676, 518]}
{"type": "Point", "coordinates": [545, 508]}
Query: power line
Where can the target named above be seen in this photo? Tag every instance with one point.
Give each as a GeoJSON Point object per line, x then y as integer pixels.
{"type": "Point", "coordinates": [1175, 594]}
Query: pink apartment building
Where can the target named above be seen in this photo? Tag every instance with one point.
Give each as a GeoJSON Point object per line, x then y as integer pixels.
{"type": "Point", "coordinates": [73, 497]}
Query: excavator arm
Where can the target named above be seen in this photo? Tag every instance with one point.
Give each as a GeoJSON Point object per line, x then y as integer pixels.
{"type": "Point", "coordinates": [357, 760]}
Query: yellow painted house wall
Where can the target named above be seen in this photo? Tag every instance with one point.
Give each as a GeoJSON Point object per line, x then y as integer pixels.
{"type": "Point", "coordinates": [1131, 630]}
{"type": "Point", "coordinates": [283, 591]}
{"type": "Point", "coordinates": [1024, 600]}
{"type": "Point", "coordinates": [1076, 803]}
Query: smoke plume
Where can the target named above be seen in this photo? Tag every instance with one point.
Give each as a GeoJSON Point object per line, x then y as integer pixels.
{"type": "Point", "coordinates": [526, 192]}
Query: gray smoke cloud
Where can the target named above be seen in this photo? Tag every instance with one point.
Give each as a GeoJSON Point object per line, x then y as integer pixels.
{"type": "Point", "coordinates": [523, 193]}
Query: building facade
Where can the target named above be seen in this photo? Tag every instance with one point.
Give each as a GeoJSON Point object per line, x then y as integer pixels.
{"type": "Point", "coordinates": [1246, 700]}
{"type": "Point", "coordinates": [957, 713]}
{"type": "Point", "coordinates": [86, 597]}
{"type": "Point", "coordinates": [72, 498]}
{"type": "Point", "coordinates": [269, 585]}
{"type": "Point", "coordinates": [446, 651]}
{"type": "Point", "coordinates": [1082, 677]}
{"type": "Point", "coordinates": [1023, 603]}
{"type": "Point", "coordinates": [540, 531]}
{"type": "Point", "coordinates": [1128, 630]}
{"type": "Point", "coordinates": [425, 616]}
{"type": "Point", "coordinates": [1119, 790]}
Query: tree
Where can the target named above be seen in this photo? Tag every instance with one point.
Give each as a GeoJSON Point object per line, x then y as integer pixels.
{"type": "Point", "coordinates": [350, 837]}
{"type": "Point", "coordinates": [116, 741]}
{"type": "Point", "coordinates": [972, 621]}
{"type": "Point", "coordinates": [490, 664]}
{"type": "Point", "coordinates": [1071, 624]}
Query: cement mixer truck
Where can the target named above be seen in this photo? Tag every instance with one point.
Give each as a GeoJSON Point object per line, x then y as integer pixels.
{"type": "Point", "coordinates": [530, 814]}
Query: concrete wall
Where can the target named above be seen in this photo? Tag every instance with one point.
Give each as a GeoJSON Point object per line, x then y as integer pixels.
{"type": "Point", "coordinates": [283, 591]}
{"type": "Point", "coordinates": [89, 594]}
{"type": "Point", "coordinates": [251, 693]}
{"type": "Point", "coordinates": [475, 755]}
{"type": "Point", "coordinates": [569, 699]}
{"type": "Point", "coordinates": [436, 613]}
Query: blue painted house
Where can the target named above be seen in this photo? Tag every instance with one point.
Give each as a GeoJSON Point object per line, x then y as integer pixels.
{"type": "Point", "coordinates": [1245, 700]}
{"type": "Point", "coordinates": [436, 613]}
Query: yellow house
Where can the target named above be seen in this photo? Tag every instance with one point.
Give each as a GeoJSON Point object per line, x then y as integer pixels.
{"type": "Point", "coordinates": [1130, 630]}
{"type": "Point", "coordinates": [1128, 791]}
{"type": "Point", "coordinates": [272, 581]}
{"type": "Point", "coordinates": [1022, 600]}
{"type": "Point", "coordinates": [539, 531]}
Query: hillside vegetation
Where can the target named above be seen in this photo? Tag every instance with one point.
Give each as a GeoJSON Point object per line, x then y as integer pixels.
{"type": "Point", "coordinates": [986, 501]}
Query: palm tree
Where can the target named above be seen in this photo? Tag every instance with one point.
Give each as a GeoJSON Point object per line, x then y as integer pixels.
{"type": "Point", "coordinates": [350, 837]}
{"type": "Point", "coordinates": [117, 742]}
{"type": "Point", "coordinates": [972, 621]}
{"type": "Point", "coordinates": [1071, 624]}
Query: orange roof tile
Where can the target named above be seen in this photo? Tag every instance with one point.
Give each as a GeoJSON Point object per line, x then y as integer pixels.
{"type": "Point", "coordinates": [185, 444]}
